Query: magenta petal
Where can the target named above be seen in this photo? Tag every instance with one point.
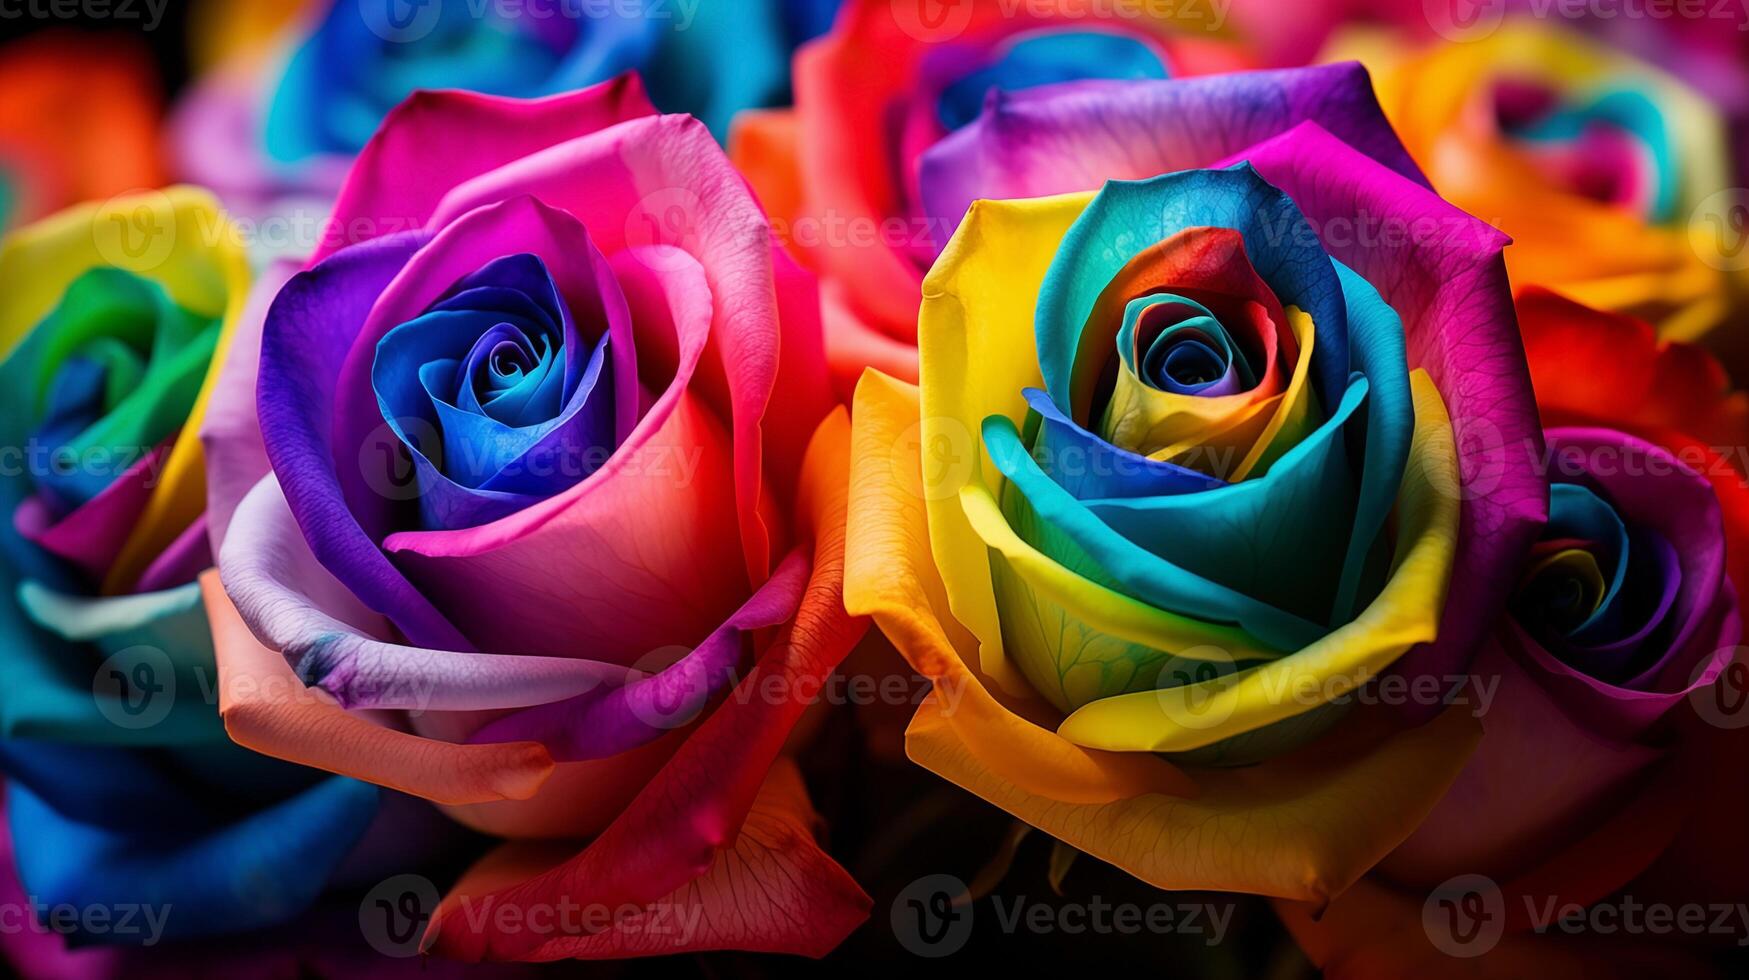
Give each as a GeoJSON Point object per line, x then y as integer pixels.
{"type": "Point", "coordinates": [437, 140]}
{"type": "Point", "coordinates": [1539, 777]}
{"type": "Point", "coordinates": [91, 536]}
{"type": "Point", "coordinates": [1443, 272]}
{"type": "Point", "coordinates": [181, 562]}
{"type": "Point", "coordinates": [599, 725]}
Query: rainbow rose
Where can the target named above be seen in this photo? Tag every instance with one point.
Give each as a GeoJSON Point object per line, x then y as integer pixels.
{"type": "Point", "coordinates": [1565, 143]}
{"type": "Point", "coordinates": [1192, 460]}
{"type": "Point", "coordinates": [846, 174]}
{"type": "Point", "coordinates": [1609, 778]}
{"type": "Point", "coordinates": [524, 510]}
{"type": "Point", "coordinates": [293, 90]}
{"type": "Point", "coordinates": [121, 784]}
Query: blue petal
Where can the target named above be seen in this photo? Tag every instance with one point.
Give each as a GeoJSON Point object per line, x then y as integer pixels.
{"type": "Point", "coordinates": [1126, 217]}
{"type": "Point", "coordinates": [1089, 467]}
{"type": "Point", "coordinates": [1045, 58]}
{"type": "Point", "coordinates": [261, 870]}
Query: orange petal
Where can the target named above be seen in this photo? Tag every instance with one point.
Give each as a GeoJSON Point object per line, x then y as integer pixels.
{"type": "Point", "coordinates": [762, 145]}
{"type": "Point", "coordinates": [267, 709]}
{"type": "Point", "coordinates": [79, 121]}
{"type": "Point", "coordinates": [891, 577]}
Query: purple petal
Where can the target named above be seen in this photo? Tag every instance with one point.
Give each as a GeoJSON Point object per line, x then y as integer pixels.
{"type": "Point", "coordinates": [1061, 138]}
{"type": "Point", "coordinates": [309, 329]}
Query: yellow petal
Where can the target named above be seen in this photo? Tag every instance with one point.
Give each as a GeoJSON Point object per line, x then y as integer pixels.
{"type": "Point", "coordinates": [976, 354]}
{"type": "Point", "coordinates": [888, 575]}
{"type": "Point", "coordinates": [1302, 826]}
